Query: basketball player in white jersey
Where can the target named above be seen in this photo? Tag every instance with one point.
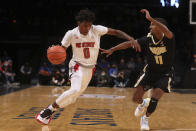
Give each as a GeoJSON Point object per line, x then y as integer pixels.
{"type": "Point", "coordinates": [85, 42]}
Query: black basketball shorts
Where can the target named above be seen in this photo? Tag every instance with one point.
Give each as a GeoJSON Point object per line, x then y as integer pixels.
{"type": "Point", "coordinates": [149, 79]}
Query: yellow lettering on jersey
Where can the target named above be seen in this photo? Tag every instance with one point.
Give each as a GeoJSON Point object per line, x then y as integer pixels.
{"type": "Point", "coordinates": [158, 59]}
{"type": "Point", "coordinates": [158, 50]}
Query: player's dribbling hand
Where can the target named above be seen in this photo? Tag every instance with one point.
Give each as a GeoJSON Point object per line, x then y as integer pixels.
{"type": "Point", "coordinates": [107, 52]}
{"type": "Point", "coordinates": [147, 14]}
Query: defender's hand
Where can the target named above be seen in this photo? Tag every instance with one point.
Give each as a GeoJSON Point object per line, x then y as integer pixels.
{"type": "Point", "coordinates": [136, 46]}
{"type": "Point", "coordinates": [147, 14]}
{"type": "Point", "coordinates": [107, 52]}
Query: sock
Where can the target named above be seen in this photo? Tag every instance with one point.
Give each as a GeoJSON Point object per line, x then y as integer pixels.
{"type": "Point", "coordinates": [143, 103]}
{"type": "Point", "coordinates": [51, 108]}
{"type": "Point", "coordinates": [145, 116]}
{"type": "Point", "coordinates": [152, 105]}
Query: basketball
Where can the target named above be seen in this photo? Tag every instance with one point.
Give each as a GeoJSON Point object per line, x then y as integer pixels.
{"type": "Point", "coordinates": [56, 54]}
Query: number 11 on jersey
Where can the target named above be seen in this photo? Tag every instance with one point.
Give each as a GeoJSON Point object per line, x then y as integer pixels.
{"type": "Point", "coordinates": [158, 59]}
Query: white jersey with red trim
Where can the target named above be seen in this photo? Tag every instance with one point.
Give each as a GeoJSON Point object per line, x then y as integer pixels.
{"type": "Point", "coordinates": [85, 47]}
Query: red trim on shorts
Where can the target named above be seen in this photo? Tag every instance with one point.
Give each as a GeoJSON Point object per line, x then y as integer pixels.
{"type": "Point", "coordinates": [76, 67]}
{"type": "Point", "coordinates": [93, 71]}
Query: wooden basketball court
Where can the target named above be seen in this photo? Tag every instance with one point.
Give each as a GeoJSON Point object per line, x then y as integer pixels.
{"type": "Point", "coordinates": [98, 109]}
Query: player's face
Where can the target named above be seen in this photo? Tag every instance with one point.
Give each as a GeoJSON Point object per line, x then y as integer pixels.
{"type": "Point", "coordinates": [84, 27]}
{"type": "Point", "coordinates": [154, 29]}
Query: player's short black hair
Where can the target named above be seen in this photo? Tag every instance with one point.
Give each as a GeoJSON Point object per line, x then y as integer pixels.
{"type": "Point", "coordinates": [85, 15]}
{"type": "Point", "coordinates": [162, 21]}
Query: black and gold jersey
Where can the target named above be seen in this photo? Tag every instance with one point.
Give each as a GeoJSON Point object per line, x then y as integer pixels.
{"type": "Point", "coordinates": [160, 53]}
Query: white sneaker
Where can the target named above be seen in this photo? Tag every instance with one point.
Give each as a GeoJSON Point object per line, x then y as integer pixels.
{"type": "Point", "coordinates": [141, 108]}
{"type": "Point", "coordinates": [44, 117]}
{"type": "Point", "coordinates": [144, 123]}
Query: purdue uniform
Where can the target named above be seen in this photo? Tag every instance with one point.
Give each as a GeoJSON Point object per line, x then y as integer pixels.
{"type": "Point", "coordinates": [157, 72]}
{"type": "Point", "coordinates": [160, 56]}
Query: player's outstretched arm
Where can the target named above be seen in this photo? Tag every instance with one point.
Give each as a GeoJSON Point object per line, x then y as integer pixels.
{"type": "Point", "coordinates": [119, 34]}
{"type": "Point", "coordinates": [128, 44]}
{"type": "Point", "coordinates": [162, 27]}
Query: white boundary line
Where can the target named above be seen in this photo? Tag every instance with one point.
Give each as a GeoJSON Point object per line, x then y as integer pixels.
{"type": "Point", "coordinates": [192, 129]}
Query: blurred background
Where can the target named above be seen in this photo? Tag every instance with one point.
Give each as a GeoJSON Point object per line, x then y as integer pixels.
{"type": "Point", "coordinates": [29, 27]}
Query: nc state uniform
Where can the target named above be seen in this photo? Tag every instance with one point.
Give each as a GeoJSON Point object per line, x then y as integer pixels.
{"type": "Point", "coordinates": [85, 52]}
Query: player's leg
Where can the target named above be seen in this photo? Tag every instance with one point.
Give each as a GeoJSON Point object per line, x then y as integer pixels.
{"type": "Point", "coordinates": [149, 93]}
{"type": "Point", "coordinates": [45, 115]}
{"type": "Point", "coordinates": [138, 95]}
{"type": "Point", "coordinates": [79, 82]}
{"type": "Point", "coordinates": [76, 80]}
{"type": "Point", "coordinates": [82, 81]}
{"type": "Point", "coordinates": [78, 86]}
{"type": "Point", "coordinates": [163, 85]}
{"type": "Point", "coordinates": [140, 91]}
{"type": "Point", "coordinates": [156, 95]}
{"type": "Point", "coordinates": [141, 108]}
{"type": "Point", "coordinates": [143, 84]}
{"type": "Point", "coordinates": [138, 98]}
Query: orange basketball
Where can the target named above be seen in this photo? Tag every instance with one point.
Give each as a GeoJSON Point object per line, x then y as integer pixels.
{"type": "Point", "coordinates": [56, 54]}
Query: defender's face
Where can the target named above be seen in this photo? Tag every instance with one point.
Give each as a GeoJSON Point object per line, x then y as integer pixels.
{"type": "Point", "coordinates": [154, 29]}
{"type": "Point", "coordinates": [84, 27]}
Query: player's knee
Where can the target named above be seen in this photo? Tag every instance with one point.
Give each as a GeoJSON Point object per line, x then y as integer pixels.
{"type": "Point", "coordinates": [152, 105]}
{"type": "Point", "coordinates": [74, 91]}
{"type": "Point", "coordinates": [74, 99]}
{"type": "Point", "coordinates": [136, 99]}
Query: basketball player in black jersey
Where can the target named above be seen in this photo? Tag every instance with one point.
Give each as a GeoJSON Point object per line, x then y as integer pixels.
{"type": "Point", "coordinates": [159, 46]}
